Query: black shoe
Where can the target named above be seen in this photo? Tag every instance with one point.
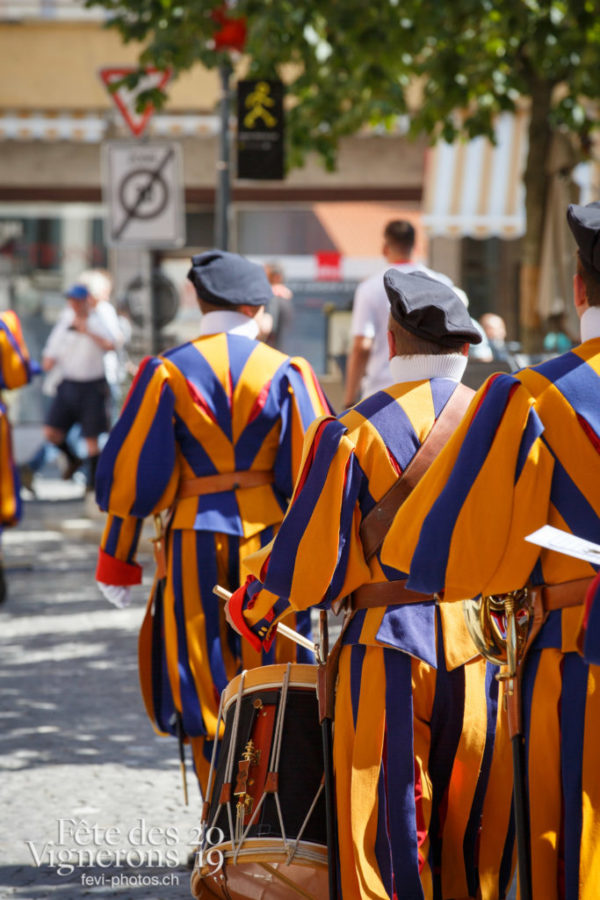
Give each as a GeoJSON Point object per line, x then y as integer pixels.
{"type": "Point", "coordinates": [26, 475]}
{"type": "Point", "coordinates": [2, 585]}
{"type": "Point", "coordinates": [72, 466]}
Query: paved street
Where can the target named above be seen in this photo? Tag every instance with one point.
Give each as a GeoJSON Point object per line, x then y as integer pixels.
{"type": "Point", "coordinates": [83, 777]}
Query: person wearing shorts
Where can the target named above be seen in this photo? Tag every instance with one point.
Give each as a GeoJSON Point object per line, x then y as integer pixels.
{"type": "Point", "coordinates": [77, 345]}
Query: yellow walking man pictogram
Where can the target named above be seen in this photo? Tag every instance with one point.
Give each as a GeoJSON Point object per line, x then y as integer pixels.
{"type": "Point", "coordinates": [258, 100]}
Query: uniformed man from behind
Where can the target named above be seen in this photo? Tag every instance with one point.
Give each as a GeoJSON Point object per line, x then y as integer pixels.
{"type": "Point", "coordinates": [416, 708]}
{"type": "Point", "coordinates": [527, 455]}
{"type": "Point", "coordinates": [212, 431]}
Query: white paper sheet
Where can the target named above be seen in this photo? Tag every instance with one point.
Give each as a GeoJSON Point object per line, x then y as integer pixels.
{"type": "Point", "coordinates": [563, 542]}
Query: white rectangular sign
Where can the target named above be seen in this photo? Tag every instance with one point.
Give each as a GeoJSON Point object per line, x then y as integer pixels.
{"type": "Point", "coordinates": [143, 193]}
{"type": "Point", "coordinates": [563, 542]}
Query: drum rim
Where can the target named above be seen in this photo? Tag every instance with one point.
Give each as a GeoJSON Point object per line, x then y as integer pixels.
{"type": "Point", "coordinates": [302, 675]}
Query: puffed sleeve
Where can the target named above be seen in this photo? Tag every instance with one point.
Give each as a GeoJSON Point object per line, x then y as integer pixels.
{"type": "Point", "coordinates": [302, 402]}
{"type": "Point", "coordinates": [310, 562]}
{"type": "Point", "coordinates": [463, 528]}
{"type": "Point", "coordinates": [16, 367]}
{"type": "Point", "coordinates": [138, 470]}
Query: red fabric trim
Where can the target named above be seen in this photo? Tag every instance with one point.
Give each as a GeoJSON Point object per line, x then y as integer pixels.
{"type": "Point", "coordinates": [589, 598]}
{"type": "Point", "coordinates": [259, 403]}
{"type": "Point", "coordinates": [114, 571]}
{"type": "Point", "coordinates": [199, 400]}
{"type": "Point", "coordinates": [236, 613]}
{"type": "Point", "coordinates": [591, 434]}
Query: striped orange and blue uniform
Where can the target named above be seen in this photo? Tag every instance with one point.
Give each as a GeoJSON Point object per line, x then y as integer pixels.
{"type": "Point", "coordinates": [416, 709]}
{"type": "Point", "coordinates": [221, 403]}
{"type": "Point", "coordinates": [526, 455]}
{"type": "Point", "coordinates": [16, 370]}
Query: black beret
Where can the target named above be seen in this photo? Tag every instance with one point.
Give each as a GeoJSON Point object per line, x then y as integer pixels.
{"type": "Point", "coordinates": [228, 279]}
{"type": "Point", "coordinates": [584, 222]}
{"type": "Point", "coordinates": [429, 309]}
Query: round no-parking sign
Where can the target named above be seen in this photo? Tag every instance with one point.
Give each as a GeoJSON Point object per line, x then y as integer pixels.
{"type": "Point", "coordinates": [143, 192]}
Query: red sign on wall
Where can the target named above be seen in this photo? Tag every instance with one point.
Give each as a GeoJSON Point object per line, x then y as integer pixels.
{"type": "Point", "coordinates": [125, 98]}
{"type": "Point", "coordinates": [329, 266]}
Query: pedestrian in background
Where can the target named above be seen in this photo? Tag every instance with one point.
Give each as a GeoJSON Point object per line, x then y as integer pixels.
{"type": "Point", "coordinates": [76, 346]}
{"type": "Point", "coordinates": [367, 369]}
{"type": "Point", "coordinates": [212, 431]}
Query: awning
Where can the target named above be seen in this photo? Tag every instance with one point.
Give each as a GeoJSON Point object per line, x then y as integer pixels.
{"type": "Point", "coordinates": [475, 188]}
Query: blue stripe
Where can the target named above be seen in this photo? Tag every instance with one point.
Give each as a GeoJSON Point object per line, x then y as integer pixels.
{"type": "Point", "coordinates": [428, 568]}
{"type": "Point", "coordinates": [135, 541]}
{"type": "Point", "coordinates": [279, 575]}
{"type": "Point", "coordinates": [441, 391]}
{"type": "Point", "coordinates": [446, 728]}
{"type": "Point", "coordinates": [208, 576]}
{"type": "Point", "coordinates": [252, 438]}
{"type": "Point", "coordinates": [190, 705]}
{"type": "Point", "coordinates": [382, 840]}
{"type": "Point", "coordinates": [400, 774]}
{"type": "Point", "coordinates": [357, 656]}
{"type": "Point", "coordinates": [580, 516]}
{"type": "Point", "coordinates": [156, 460]}
{"type": "Point", "coordinates": [533, 430]}
{"type": "Point", "coordinates": [192, 450]}
{"type": "Point", "coordinates": [198, 371]}
{"type": "Point", "coordinates": [112, 540]}
{"type": "Point", "coordinates": [389, 419]}
{"type": "Point", "coordinates": [529, 677]}
{"type": "Point", "coordinates": [470, 842]}
{"type": "Point", "coordinates": [162, 698]}
{"type": "Point", "coordinates": [578, 383]}
{"type": "Point", "coordinates": [352, 487]}
{"type": "Point", "coordinates": [118, 434]}
{"type": "Point", "coordinates": [239, 349]}
{"type": "Point", "coordinates": [572, 727]}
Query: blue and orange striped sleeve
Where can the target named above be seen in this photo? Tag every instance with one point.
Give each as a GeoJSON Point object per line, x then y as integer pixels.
{"type": "Point", "coordinates": [309, 562]}
{"type": "Point", "coordinates": [463, 528]}
{"type": "Point", "coordinates": [16, 367]}
{"type": "Point", "coordinates": [138, 470]}
{"type": "Point", "coordinates": [303, 401]}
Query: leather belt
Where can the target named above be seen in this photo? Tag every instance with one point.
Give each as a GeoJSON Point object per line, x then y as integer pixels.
{"type": "Point", "coordinates": [563, 595]}
{"type": "Point", "coordinates": [226, 481]}
{"type": "Point", "coordinates": [395, 593]}
{"type": "Point", "coordinates": [385, 593]}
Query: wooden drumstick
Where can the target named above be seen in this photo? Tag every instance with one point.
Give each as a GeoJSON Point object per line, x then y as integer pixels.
{"type": "Point", "coordinates": [281, 629]}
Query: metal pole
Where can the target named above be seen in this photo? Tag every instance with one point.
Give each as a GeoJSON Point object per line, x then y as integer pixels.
{"type": "Point", "coordinates": [223, 186]}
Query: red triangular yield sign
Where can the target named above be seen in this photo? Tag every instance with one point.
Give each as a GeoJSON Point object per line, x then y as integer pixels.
{"type": "Point", "coordinates": [125, 98]}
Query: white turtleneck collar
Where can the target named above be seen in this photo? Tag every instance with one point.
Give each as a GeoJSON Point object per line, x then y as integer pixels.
{"type": "Point", "coordinates": [219, 320]}
{"type": "Point", "coordinates": [589, 324]}
{"type": "Point", "coordinates": [425, 365]}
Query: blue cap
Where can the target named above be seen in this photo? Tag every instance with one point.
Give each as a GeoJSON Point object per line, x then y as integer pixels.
{"type": "Point", "coordinates": [77, 292]}
{"type": "Point", "coordinates": [584, 222]}
{"type": "Point", "coordinates": [228, 279]}
{"type": "Point", "coordinates": [429, 309]}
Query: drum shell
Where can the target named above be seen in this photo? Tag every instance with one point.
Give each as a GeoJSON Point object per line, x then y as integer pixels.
{"type": "Point", "coordinates": [300, 769]}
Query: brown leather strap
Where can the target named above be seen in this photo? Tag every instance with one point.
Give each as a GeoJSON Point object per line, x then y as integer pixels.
{"type": "Point", "coordinates": [385, 593]}
{"type": "Point", "coordinates": [568, 593]}
{"type": "Point", "coordinates": [376, 523]}
{"type": "Point", "coordinates": [227, 481]}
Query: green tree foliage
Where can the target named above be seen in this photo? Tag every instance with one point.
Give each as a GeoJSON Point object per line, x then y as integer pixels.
{"type": "Point", "coordinates": [348, 64]}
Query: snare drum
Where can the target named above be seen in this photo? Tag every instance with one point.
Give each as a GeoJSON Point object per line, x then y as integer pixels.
{"type": "Point", "coordinates": [267, 806]}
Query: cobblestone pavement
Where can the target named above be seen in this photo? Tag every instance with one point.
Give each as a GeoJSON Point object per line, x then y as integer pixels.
{"type": "Point", "coordinates": [83, 777]}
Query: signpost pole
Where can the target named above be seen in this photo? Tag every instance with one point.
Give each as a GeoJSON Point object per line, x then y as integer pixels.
{"type": "Point", "coordinates": [223, 175]}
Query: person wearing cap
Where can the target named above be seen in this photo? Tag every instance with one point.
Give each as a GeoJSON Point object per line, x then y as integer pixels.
{"type": "Point", "coordinates": [212, 431]}
{"type": "Point", "coordinates": [75, 348]}
{"type": "Point", "coordinates": [416, 708]}
{"type": "Point", "coordinates": [528, 455]}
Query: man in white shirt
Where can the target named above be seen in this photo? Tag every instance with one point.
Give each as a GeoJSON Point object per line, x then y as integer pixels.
{"type": "Point", "coordinates": [368, 362]}
{"type": "Point", "coordinates": [77, 345]}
